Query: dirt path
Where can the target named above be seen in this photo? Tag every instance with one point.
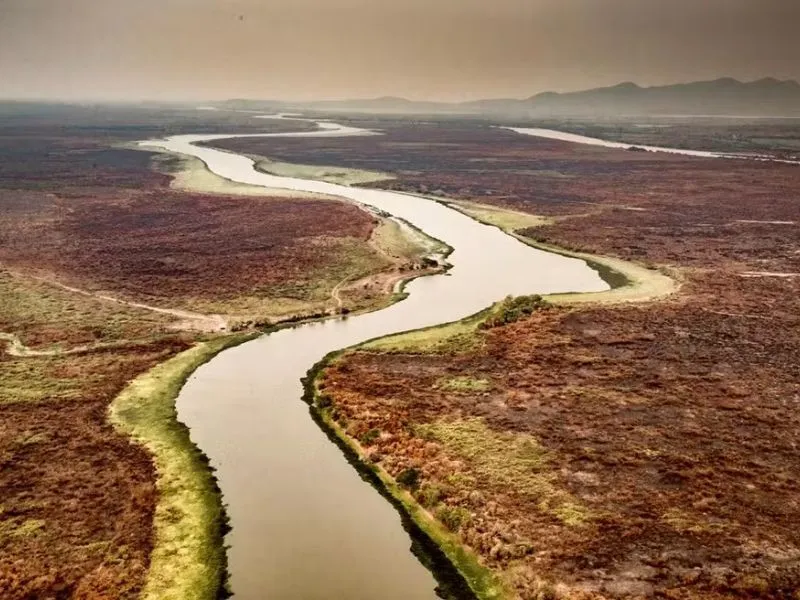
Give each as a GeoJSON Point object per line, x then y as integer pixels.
{"type": "Point", "coordinates": [188, 319]}
{"type": "Point", "coordinates": [17, 348]}
{"type": "Point", "coordinates": [335, 292]}
{"type": "Point", "coordinates": [768, 274]}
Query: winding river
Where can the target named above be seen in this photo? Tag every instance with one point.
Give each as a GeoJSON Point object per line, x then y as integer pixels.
{"type": "Point", "coordinates": [305, 526]}
{"type": "Point", "coordinates": [574, 138]}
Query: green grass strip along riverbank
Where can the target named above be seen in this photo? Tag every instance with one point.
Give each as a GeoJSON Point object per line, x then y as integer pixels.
{"type": "Point", "coordinates": [629, 282]}
{"type": "Point", "coordinates": [188, 560]}
{"type": "Point", "coordinates": [457, 569]}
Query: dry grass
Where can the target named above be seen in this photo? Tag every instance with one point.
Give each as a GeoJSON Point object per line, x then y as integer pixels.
{"type": "Point", "coordinates": [504, 218]}
{"type": "Point", "coordinates": [47, 317]}
{"type": "Point", "coordinates": [453, 338]}
{"type": "Point", "coordinates": [338, 175]}
{"type": "Point", "coordinates": [464, 384]}
{"type": "Point", "coordinates": [516, 462]}
{"type": "Point", "coordinates": [400, 242]}
{"type": "Point", "coordinates": [190, 174]}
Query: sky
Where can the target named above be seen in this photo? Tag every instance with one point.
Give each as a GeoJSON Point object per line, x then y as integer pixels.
{"type": "Point", "coordinates": [448, 50]}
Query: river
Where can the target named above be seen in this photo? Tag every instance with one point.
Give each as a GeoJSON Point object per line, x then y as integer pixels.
{"type": "Point", "coordinates": [305, 526]}
{"type": "Point", "coordinates": [574, 138]}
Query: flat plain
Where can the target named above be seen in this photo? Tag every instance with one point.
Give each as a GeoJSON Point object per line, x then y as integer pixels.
{"type": "Point", "coordinates": [629, 449]}
{"type": "Point", "coordinates": [578, 448]}
{"type": "Point", "coordinates": [108, 270]}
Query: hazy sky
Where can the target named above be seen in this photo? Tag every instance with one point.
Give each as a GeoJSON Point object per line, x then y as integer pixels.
{"type": "Point", "coordinates": [423, 49]}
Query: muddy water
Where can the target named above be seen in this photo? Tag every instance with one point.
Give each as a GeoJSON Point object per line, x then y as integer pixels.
{"type": "Point", "coordinates": [305, 525]}
{"type": "Point", "coordinates": [574, 138]}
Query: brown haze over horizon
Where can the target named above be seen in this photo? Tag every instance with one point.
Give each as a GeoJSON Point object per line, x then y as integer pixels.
{"type": "Point", "coordinates": [421, 49]}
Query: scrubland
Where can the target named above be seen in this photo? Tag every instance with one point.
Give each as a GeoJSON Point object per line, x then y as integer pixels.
{"type": "Point", "coordinates": [608, 449]}
{"type": "Point", "coordinates": [114, 285]}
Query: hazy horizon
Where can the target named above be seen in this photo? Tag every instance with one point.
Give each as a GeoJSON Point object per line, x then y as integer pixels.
{"type": "Point", "coordinates": [445, 50]}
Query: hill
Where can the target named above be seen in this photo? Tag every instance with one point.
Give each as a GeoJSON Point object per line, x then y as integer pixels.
{"type": "Point", "coordinates": [725, 96]}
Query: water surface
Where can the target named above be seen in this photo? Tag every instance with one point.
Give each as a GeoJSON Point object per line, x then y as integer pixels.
{"type": "Point", "coordinates": [553, 134]}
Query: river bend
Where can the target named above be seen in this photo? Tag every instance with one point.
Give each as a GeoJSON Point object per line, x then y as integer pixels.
{"type": "Point", "coordinates": [305, 526]}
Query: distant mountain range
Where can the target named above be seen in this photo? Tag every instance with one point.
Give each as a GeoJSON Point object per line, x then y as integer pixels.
{"type": "Point", "coordinates": [726, 96]}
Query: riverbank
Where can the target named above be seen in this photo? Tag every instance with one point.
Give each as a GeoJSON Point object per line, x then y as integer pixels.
{"type": "Point", "coordinates": [188, 557]}
{"type": "Point", "coordinates": [368, 286]}
{"type": "Point", "coordinates": [457, 570]}
{"type": "Point", "coordinates": [629, 282]}
{"type": "Point", "coordinates": [437, 523]}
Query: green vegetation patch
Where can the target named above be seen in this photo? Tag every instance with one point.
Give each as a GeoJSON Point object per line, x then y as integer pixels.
{"type": "Point", "coordinates": [18, 527]}
{"type": "Point", "coordinates": [397, 242]}
{"type": "Point", "coordinates": [461, 336]}
{"type": "Point", "coordinates": [453, 517]}
{"type": "Point", "coordinates": [73, 376]}
{"type": "Point", "coordinates": [684, 521]}
{"type": "Point", "coordinates": [338, 175]}
{"type": "Point", "coordinates": [513, 309]}
{"type": "Point", "coordinates": [38, 379]}
{"type": "Point", "coordinates": [188, 560]}
{"type": "Point", "coordinates": [504, 218]}
{"type": "Point", "coordinates": [511, 460]}
{"type": "Point", "coordinates": [464, 384]}
{"type": "Point", "coordinates": [40, 312]}
{"type": "Point", "coordinates": [453, 338]}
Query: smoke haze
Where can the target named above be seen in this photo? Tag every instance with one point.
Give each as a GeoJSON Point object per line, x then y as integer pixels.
{"type": "Point", "coordinates": [422, 49]}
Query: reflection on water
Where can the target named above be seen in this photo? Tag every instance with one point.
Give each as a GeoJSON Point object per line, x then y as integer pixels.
{"type": "Point", "coordinates": [305, 525]}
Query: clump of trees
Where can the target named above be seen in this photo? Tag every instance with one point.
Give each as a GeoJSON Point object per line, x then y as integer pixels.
{"type": "Point", "coordinates": [409, 478]}
{"type": "Point", "coordinates": [513, 309]}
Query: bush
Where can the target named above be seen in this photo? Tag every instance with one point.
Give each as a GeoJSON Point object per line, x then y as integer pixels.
{"type": "Point", "coordinates": [409, 478]}
{"type": "Point", "coordinates": [513, 309]}
{"type": "Point", "coordinates": [370, 436]}
{"type": "Point", "coordinates": [453, 517]}
{"type": "Point", "coordinates": [429, 495]}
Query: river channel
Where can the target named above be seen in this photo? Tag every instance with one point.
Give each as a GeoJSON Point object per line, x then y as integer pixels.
{"type": "Point", "coordinates": [305, 526]}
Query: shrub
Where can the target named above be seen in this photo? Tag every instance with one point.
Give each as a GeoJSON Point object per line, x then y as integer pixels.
{"type": "Point", "coordinates": [453, 517]}
{"type": "Point", "coordinates": [370, 436]}
{"type": "Point", "coordinates": [409, 478]}
{"type": "Point", "coordinates": [429, 495]}
{"type": "Point", "coordinates": [513, 309]}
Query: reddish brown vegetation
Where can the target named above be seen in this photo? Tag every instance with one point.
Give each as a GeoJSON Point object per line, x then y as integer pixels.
{"type": "Point", "coordinates": [169, 245]}
{"type": "Point", "coordinates": [674, 425]}
{"type": "Point", "coordinates": [680, 440]}
{"type": "Point", "coordinates": [102, 218]}
{"type": "Point", "coordinates": [77, 498]}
